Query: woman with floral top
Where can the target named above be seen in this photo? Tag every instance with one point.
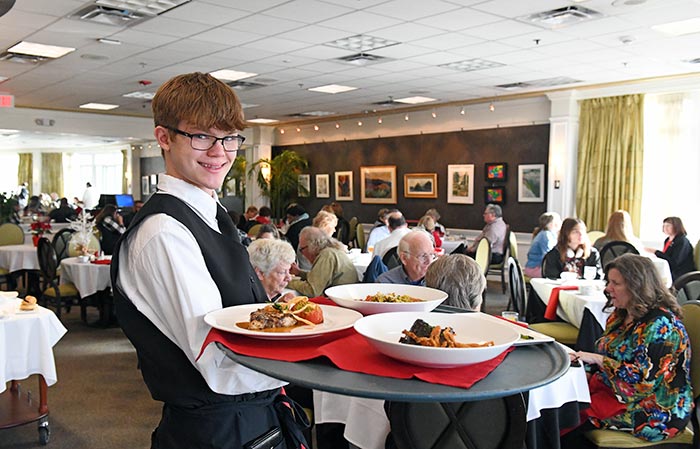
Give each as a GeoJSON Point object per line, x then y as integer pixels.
{"type": "Point", "coordinates": [573, 252]}
{"type": "Point", "coordinates": [111, 226]}
{"type": "Point", "coordinates": [643, 357]}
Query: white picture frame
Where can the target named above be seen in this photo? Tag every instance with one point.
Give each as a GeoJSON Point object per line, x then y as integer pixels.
{"type": "Point", "coordinates": [531, 183]}
{"type": "Point", "coordinates": [323, 186]}
{"type": "Point", "coordinates": [460, 184]}
{"type": "Point", "coordinates": [304, 185]}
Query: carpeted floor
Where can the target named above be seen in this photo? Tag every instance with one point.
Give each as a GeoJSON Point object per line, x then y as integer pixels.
{"type": "Point", "coordinates": [100, 400]}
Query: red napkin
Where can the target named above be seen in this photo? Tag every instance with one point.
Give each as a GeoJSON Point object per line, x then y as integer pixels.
{"type": "Point", "coordinates": [519, 323]}
{"type": "Point", "coordinates": [102, 261]}
{"type": "Point", "coordinates": [349, 351]}
{"type": "Point", "coordinates": [604, 403]}
{"type": "Point", "coordinates": [551, 312]}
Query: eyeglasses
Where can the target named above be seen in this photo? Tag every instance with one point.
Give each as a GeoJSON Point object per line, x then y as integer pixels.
{"type": "Point", "coordinates": [302, 248]}
{"type": "Point", "coordinates": [203, 142]}
{"type": "Point", "coordinates": [424, 258]}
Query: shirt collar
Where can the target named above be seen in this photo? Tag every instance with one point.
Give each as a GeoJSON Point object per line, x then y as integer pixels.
{"type": "Point", "coordinates": [197, 199]}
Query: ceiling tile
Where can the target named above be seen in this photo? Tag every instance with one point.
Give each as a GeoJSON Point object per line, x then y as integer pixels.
{"type": "Point", "coordinates": [412, 9]}
{"type": "Point", "coordinates": [460, 19]}
{"type": "Point", "coordinates": [308, 11]}
{"type": "Point", "coordinates": [359, 22]}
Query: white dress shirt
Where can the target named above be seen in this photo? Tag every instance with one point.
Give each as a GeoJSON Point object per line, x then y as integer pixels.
{"type": "Point", "coordinates": [162, 271]}
{"type": "Point", "coordinates": [387, 243]}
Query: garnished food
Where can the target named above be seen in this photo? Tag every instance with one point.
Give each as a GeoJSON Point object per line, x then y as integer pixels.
{"type": "Point", "coordinates": [297, 311]}
{"type": "Point", "coordinates": [28, 303]}
{"type": "Point", "coordinates": [526, 337]}
{"type": "Point", "coordinates": [390, 297]}
{"type": "Point", "coordinates": [423, 334]}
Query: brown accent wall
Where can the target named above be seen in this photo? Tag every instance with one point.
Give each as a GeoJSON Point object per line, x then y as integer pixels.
{"type": "Point", "coordinates": [433, 153]}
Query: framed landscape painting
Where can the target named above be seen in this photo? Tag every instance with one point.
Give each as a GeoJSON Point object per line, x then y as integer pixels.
{"type": "Point", "coordinates": [495, 195]}
{"type": "Point", "coordinates": [420, 185]}
{"type": "Point", "coordinates": [322, 186]}
{"type": "Point", "coordinates": [304, 185]}
{"type": "Point", "coordinates": [343, 186]}
{"type": "Point", "coordinates": [531, 183]}
{"type": "Point", "coordinates": [460, 184]}
{"type": "Point", "coordinates": [496, 172]}
{"type": "Point", "coordinates": [378, 184]}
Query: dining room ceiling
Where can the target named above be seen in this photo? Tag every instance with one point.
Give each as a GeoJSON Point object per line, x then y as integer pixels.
{"type": "Point", "coordinates": [387, 50]}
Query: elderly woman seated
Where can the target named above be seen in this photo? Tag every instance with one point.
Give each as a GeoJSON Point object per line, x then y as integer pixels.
{"type": "Point", "coordinates": [460, 277]}
{"type": "Point", "coordinates": [326, 221]}
{"type": "Point", "coordinates": [271, 259]}
{"type": "Point", "coordinates": [330, 265]}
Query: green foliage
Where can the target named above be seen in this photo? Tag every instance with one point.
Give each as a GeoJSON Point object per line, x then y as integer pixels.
{"type": "Point", "coordinates": [8, 202]}
{"type": "Point", "coordinates": [235, 175]}
{"type": "Point", "coordinates": [283, 185]}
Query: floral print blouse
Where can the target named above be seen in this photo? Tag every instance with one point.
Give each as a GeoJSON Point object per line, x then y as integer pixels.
{"type": "Point", "coordinates": [647, 365]}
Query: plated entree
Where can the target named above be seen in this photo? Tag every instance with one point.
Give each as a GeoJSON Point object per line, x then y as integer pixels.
{"type": "Point", "coordinates": [423, 334]}
{"type": "Point", "coordinates": [284, 316]}
{"type": "Point", "coordinates": [390, 297]}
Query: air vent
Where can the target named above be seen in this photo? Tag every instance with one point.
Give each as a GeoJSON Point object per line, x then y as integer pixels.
{"type": "Point", "coordinates": [109, 16]}
{"type": "Point", "coordinates": [540, 83]}
{"type": "Point", "coordinates": [362, 59]}
{"type": "Point", "coordinates": [561, 17]}
{"type": "Point", "coordinates": [244, 85]}
{"type": "Point", "coordinates": [21, 58]}
{"type": "Point", "coordinates": [389, 102]}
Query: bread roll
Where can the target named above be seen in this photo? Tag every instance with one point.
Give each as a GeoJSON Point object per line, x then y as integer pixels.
{"type": "Point", "coordinates": [28, 303]}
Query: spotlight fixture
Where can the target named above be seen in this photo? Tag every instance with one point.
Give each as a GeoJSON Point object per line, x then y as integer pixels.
{"type": "Point", "coordinates": [282, 131]}
{"type": "Point", "coordinates": [315, 127]}
{"type": "Point", "coordinates": [492, 107]}
{"type": "Point", "coordinates": [379, 120]}
{"type": "Point", "coordinates": [434, 114]}
{"type": "Point", "coordinates": [461, 111]}
{"type": "Point", "coordinates": [298, 129]}
{"type": "Point", "coordinates": [405, 117]}
{"type": "Point", "coordinates": [359, 123]}
{"type": "Point", "coordinates": [337, 125]}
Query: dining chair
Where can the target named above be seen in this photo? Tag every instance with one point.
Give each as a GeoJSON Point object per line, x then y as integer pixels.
{"type": "Point", "coordinates": [253, 230]}
{"type": "Point", "coordinates": [595, 235]}
{"type": "Point", "coordinates": [614, 439]}
{"type": "Point", "coordinates": [352, 240]}
{"type": "Point", "coordinates": [60, 242]}
{"type": "Point", "coordinates": [53, 291]}
{"type": "Point", "coordinates": [696, 255]}
{"type": "Point", "coordinates": [516, 286]}
{"type": "Point", "coordinates": [483, 255]}
{"type": "Point", "coordinates": [11, 234]}
{"type": "Point", "coordinates": [489, 423]}
{"type": "Point", "coordinates": [613, 249]}
{"type": "Point", "coordinates": [687, 287]}
{"type": "Point", "coordinates": [498, 269]}
{"type": "Point", "coordinates": [360, 236]}
{"type": "Point", "coordinates": [93, 246]}
{"type": "Point", "coordinates": [391, 258]}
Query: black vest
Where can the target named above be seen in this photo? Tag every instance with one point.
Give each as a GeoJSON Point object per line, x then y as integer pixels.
{"type": "Point", "coordinates": [167, 371]}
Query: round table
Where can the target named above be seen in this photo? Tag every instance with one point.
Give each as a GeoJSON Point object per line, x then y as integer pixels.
{"type": "Point", "coordinates": [89, 278]}
{"type": "Point", "coordinates": [19, 257]}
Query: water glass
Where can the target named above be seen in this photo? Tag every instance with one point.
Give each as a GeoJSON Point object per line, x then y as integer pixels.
{"type": "Point", "coordinates": [510, 315]}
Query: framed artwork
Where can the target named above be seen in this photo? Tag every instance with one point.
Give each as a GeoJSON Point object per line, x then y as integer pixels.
{"type": "Point", "coordinates": [496, 171]}
{"type": "Point", "coordinates": [495, 195]}
{"type": "Point", "coordinates": [460, 184]}
{"type": "Point", "coordinates": [322, 186]}
{"type": "Point", "coordinates": [531, 183]}
{"type": "Point", "coordinates": [378, 184]}
{"type": "Point", "coordinates": [420, 185]}
{"type": "Point", "coordinates": [304, 185]}
{"type": "Point", "coordinates": [145, 185]}
{"type": "Point", "coordinates": [343, 186]}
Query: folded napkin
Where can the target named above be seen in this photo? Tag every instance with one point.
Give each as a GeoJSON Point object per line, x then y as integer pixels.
{"type": "Point", "coordinates": [551, 312]}
{"type": "Point", "coordinates": [102, 261]}
{"type": "Point", "coordinates": [604, 403]}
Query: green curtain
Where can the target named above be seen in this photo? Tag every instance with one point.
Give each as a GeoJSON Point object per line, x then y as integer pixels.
{"type": "Point", "coordinates": [610, 152]}
{"type": "Point", "coordinates": [52, 173]}
{"type": "Point", "coordinates": [25, 170]}
{"type": "Point", "coordinates": [125, 169]}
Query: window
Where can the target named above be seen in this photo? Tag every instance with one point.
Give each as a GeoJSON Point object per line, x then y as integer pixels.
{"type": "Point", "coordinates": [102, 170]}
{"type": "Point", "coordinates": [8, 172]}
{"type": "Point", "coordinates": [671, 162]}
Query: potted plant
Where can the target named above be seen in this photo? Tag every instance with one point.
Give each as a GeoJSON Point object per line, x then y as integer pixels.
{"type": "Point", "coordinates": [235, 178]}
{"type": "Point", "coordinates": [8, 202]}
{"type": "Point", "coordinates": [281, 183]}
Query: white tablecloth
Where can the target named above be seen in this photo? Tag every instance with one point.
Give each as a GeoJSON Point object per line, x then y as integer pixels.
{"type": "Point", "coordinates": [572, 303]}
{"type": "Point", "coordinates": [662, 268]}
{"type": "Point", "coordinates": [19, 257]}
{"type": "Point", "coordinates": [360, 261]}
{"type": "Point", "coordinates": [88, 278]}
{"type": "Point", "coordinates": [26, 342]}
{"type": "Point", "coordinates": [449, 244]}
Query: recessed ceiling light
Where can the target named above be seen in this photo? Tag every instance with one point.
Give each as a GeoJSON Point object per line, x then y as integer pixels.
{"type": "Point", "coordinates": [317, 113]}
{"type": "Point", "coordinates": [108, 41]}
{"type": "Point", "coordinates": [470, 65]}
{"type": "Point", "coordinates": [150, 7]}
{"type": "Point", "coordinates": [332, 89]}
{"type": "Point", "coordinates": [99, 106]}
{"type": "Point", "coordinates": [142, 95]}
{"type": "Point", "coordinates": [415, 100]}
{"type": "Point", "coordinates": [231, 75]}
{"type": "Point", "coordinates": [249, 105]}
{"type": "Point", "coordinates": [679, 28]}
{"type": "Point", "coordinates": [262, 120]}
{"type": "Point", "coordinates": [561, 17]}
{"type": "Point", "coordinates": [34, 49]}
{"type": "Point", "coordinates": [361, 43]}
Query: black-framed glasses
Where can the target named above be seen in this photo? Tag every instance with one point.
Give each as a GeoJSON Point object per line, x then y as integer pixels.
{"type": "Point", "coordinates": [203, 142]}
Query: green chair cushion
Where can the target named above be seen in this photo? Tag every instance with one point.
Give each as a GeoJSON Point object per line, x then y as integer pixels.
{"type": "Point", "coordinates": [64, 289]}
{"type": "Point", "coordinates": [604, 438]}
{"type": "Point", "coordinates": [564, 333]}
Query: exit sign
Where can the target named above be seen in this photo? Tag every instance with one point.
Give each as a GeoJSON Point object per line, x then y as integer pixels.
{"type": "Point", "coordinates": [7, 101]}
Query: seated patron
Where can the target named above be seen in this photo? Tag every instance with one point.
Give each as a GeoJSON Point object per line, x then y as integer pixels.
{"type": "Point", "coordinates": [342, 230]}
{"type": "Point", "coordinates": [267, 231]}
{"type": "Point", "coordinates": [416, 253]}
{"type": "Point", "coordinates": [271, 259]}
{"type": "Point", "coordinates": [427, 223]}
{"type": "Point", "coordinates": [264, 215]}
{"type": "Point", "coordinates": [573, 252]}
{"type": "Point", "coordinates": [111, 226]}
{"type": "Point", "coordinates": [543, 240]}
{"type": "Point", "coordinates": [619, 229]}
{"type": "Point", "coordinates": [677, 251]}
{"type": "Point", "coordinates": [494, 231]}
{"type": "Point", "coordinates": [297, 219]}
{"type": "Point", "coordinates": [138, 204]}
{"type": "Point", "coordinates": [330, 265]}
{"type": "Point", "coordinates": [461, 278]}
{"type": "Point", "coordinates": [380, 230]}
{"type": "Point", "coordinates": [642, 361]}
{"type": "Point", "coordinates": [398, 228]}
{"type": "Point", "coordinates": [326, 221]}
{"type": "Point", "coordinates": [63, 213]}
{"type": "Point", "coordinates": [247, 221]}
{"type": "Point", "coordinates": [436, 216]}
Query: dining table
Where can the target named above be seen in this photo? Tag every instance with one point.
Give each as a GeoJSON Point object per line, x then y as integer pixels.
{"type": "Point", "coordinates": [19, 257]}
{"type": "Point", "coordinates": [451, 243]}
{"type": "Point", "coordinates": [92, 280]}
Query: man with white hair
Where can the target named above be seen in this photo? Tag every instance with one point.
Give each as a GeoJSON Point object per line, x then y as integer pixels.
{"type": "Point", "coordinates": [416, 253]}
{"type": "Point", "coordinates": [495, 231]}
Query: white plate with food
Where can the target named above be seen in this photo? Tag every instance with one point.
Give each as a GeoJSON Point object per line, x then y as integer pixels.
{"type": "Point", "coordinates": [369, 299]}
{"type": "Point", "coordinates": [487, 339]}
{"type": "Point", "coordinates": [237, 320]}
{"type": "Point", "coordinates": [527, 335]}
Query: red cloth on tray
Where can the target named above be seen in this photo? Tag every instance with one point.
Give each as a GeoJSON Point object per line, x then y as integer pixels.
{"type": "Point", "coordinates": [102, 261]}
{"type": "Point", "coordinates": [349, 351]}
{"type": "Point", "coordinates": [550, 312]}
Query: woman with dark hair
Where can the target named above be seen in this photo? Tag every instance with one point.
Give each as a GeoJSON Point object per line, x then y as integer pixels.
{"type": "Point", "coordinates": [267, 231]}
{"type": "Point", "coordinates": [573, 252]}
{"type": "Point", "coordinates": [678, 251]}
{"type": "Point", "coordinates": [643, 357]}
{"type": "Point", "coordinates": [111, 226]}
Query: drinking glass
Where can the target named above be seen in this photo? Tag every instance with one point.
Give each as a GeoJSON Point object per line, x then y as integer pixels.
{"type": "Point", "coordinates": [589, 273]}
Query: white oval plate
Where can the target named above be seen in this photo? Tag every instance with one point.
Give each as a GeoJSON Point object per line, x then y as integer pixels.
{"type": "Point", "coordinates": [352, 296]}
{"type": "Point", "coordinates": [384, 331]}
{"type": "Point", "coordinates": [334, 319]}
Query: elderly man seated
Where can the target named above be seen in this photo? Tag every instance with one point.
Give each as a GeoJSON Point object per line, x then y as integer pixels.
{"type": "Point", "coordinates": [495, 231]}
{"type": "Point", "coordinates": [330, 265]}
{"type": "Point", "coordinates": [416, 254]}
{"type": "Point", "coordinates": [398, 228]}
{"type": "Point", "coordinates": [461, 278]}
{"type": "Point", "coordinates": [271, 259]}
